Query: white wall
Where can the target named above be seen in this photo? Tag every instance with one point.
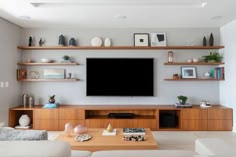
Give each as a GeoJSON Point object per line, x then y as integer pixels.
{"type": "Point", "coordinates": [9, 96]}
{"type": "Point", "coordinates": [228, 87]}
{"type": "Point", "coordinates": [165, 91]}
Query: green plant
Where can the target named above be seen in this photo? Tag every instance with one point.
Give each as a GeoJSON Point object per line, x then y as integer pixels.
{"type": "Point", "coordinates": [212, 57]}
{"type": "Point", "coordinates": [182, 99]}
{"type": "Point", "coordinates": [65, 57]}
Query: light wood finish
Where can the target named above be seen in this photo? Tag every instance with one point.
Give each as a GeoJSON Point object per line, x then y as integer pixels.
{"type": "Point", "coordinates": [194, 124]}
{"type": "Point", "coordinates": [49, 80]}
{"type": "Point", "coordinates": [194, 119]}
{"type": "Point", "coordinates": [118, 47]}
{"type": "Point", "coordinates": [46, 119]}
{"type": "Point", "coordinates": [147, 116]}
{"type": "Point", "coordinates": [50, 125]}
{"type": "Point", "coordinates": [194, 79]}
{"type": "Point", "coordinates": [194, 113]}
{"type": "Point", "coordinates": [220, 125]}
{"type": "Point", "coordinates": [99, 142]}
{"type": "Point", "coordinates": [46, 64]}
{"type": "Point", "coordinates": [48, 114]}
{"type": "Point", "coordinates": [220, 118]}
{"type": "Point", "coordinates": [220, 113]}
{"type": "Point", "coordinates": [71, 113]}
{"type": "Point", "coordinates": [198, 63]}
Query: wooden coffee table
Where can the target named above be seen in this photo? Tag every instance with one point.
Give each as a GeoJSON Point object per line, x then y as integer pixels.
{"type": "Point", "coordinates": [100, 142]}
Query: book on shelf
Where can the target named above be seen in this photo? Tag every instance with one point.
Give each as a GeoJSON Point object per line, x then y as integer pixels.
{"type": "Point", "coordinates": [134, 131]}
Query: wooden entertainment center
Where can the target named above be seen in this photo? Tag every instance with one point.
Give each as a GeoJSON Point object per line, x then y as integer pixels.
{"type": "Point", "coordinates": [155, 117]}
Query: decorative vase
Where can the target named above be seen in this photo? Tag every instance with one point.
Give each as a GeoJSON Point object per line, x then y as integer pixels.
{"type": "Point", "coordinates": [80, 129]}
{"type": "Point", "coordinates": [72, 42]}
{"type": "Point", "coordinates": [24, 120]}
{"type": "Point", "coordinates": [204, 42]}
{"type": "Point", "coordinates": [211, 40]}
{"type": "Point", "coordinates": [107, 42]}
{"type": "Point", "coordinates": [68, 129]}
{"type": "Point", "coordinates": [61, 40]}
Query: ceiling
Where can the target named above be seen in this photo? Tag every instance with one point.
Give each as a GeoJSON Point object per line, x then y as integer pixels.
{"type": "Point", "coordinates": [118, 13]}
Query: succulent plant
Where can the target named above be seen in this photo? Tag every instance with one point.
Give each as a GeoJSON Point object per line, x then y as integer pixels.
{"type": "Point", "coordinates": [182, 99]}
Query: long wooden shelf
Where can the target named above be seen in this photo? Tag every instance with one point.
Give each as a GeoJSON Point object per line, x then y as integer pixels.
{"type": "Point", "coordinates": [46, 64]}
{"type": "Point", "coordinates": [194, 79]}
{"type": "Point", "coordinates": [197, 63]}
{"type": "Point", "coordinates": [117, 47]}
{"type": "Point", "coordinates": [49, 80]}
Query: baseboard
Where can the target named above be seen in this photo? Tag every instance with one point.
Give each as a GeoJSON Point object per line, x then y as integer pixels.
{"type": "Point", "coordinates": [234, 129]}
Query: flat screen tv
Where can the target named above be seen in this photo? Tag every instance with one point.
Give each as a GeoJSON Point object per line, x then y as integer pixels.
{"type": "Point", "coordinates": [119, 77]}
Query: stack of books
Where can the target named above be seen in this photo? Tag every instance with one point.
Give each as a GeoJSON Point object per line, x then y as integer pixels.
{"type": "Point", "coordinates": [134, 131]}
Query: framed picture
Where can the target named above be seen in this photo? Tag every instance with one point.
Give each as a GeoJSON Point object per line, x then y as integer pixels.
{"type": "Point", "coordinates": [141, 39]}
{"type": "Point", "coordinates": [54, 73]}
{"type": "Point", "coordinates": [188, 72]}
{"type": "Point", "coordinates": [158, 39]}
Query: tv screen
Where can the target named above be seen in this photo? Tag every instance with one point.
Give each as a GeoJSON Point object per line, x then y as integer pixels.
{"type": "Point", "coordinates": [119, 77]}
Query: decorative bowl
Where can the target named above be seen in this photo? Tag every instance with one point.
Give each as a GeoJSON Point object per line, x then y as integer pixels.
{"type": "Point", "coordinates": [46, 60]}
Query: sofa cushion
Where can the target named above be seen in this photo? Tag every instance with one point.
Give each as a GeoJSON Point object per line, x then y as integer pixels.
{"type": "Point", "coordinates": [34, 149]}
{"type": "Point", "coordinates": [144, 153]}
{"type": "Point", "coordinates": [80, 153]}
{"type": "Point", "coordinates": [213, 147]}
{"type": "Point", "coordinates": [7, 134]}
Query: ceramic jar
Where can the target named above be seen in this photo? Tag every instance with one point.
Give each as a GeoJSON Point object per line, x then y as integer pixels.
{"type": "Point", "coordinates": [107, 42]}
{"type": "Point", "coordinates": [24, 120]}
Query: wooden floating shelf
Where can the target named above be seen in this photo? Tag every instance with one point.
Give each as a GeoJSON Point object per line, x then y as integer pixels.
{"type": "Point", "coordinates": [117, 47]}
{"type": "Point", "coordinates": [49, 80]}
{"type": "Point", "coordinates": [198, 63]}
{"type": "Point", "coordinates": [194, 79]}
{"type": "Point", "coordinates": [47, 64]}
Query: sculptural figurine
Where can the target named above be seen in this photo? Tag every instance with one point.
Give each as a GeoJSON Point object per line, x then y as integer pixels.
{"type": "Point", "coordinates": [30, 41]}
{"type": "Point", "coordinates": [40, 42]}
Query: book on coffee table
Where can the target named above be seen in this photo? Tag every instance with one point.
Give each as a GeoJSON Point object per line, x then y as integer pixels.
{"type": "Point", "coordinates": [134, 131]}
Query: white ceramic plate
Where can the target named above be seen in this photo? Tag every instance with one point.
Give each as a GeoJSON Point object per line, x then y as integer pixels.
{"type": "Point", "coordinates": [96, 41]}
{"type": "Point", "coordinates": [82, 137]}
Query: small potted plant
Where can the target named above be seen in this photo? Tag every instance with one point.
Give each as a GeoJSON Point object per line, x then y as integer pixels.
{"type": "Point", "coordinates": [66, 58]}
{"type": "Point", "coordinates": [213, 57]}
{"type": "Point", "coordinates": [175, 76]}
{"type": "Point", "coordinates": [182, 99]}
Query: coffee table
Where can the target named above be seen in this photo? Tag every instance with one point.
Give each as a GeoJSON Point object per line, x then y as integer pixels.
{"type": "Point", "coordinates": [100, 142]}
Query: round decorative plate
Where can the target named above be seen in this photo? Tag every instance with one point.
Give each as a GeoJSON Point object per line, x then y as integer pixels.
{"type": "Point", "coordinates": [96, 41]}
{"type": "Point", "coordinates": [82, 137]}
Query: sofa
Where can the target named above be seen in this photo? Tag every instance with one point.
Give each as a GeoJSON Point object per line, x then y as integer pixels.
{"type": "Point", "coordinates": [62, 149]}
{"type": "Point", "coordinates": [214, 147]}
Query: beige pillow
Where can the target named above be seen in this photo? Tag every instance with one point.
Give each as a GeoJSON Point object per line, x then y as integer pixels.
{"type": "Point", "coordinates": [1, 124]}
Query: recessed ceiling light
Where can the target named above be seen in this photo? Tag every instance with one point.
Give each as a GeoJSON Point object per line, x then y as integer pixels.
{"type": "Point", "coordinates": [216, 17]}
{"type": "Point", "coordinates": [25, 17]}
{"type": "Point", "coordinates": [119, 16]}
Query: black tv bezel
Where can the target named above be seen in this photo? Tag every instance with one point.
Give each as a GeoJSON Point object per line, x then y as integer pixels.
{"type": "Point", "coordinates": [121, 95]}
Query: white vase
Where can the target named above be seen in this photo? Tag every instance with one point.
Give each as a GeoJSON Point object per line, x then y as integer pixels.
{"type": "Point", "coordinates": [107, 42]}
{"type": "Point", "coordinates": [24, 120]}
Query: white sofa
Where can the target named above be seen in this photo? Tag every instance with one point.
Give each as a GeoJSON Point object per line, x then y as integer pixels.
{"type": "Point", "coordinates": [38, 149]}
{"type": "Point", "coordinates": [214, 147]}
{"type": "Point", "coordinates": [63, 149]}
{"type": "Point", "coordinates": [208, 147]}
